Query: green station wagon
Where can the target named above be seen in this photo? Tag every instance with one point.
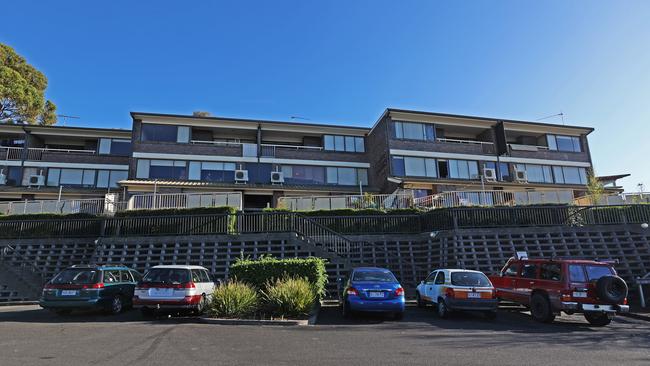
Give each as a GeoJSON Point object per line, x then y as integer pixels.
{"type": "Point", "coordinates": [107, 287]}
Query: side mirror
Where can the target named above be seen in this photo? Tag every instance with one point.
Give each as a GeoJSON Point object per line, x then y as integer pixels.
{"type": "Point", "coordinates": [421, 282]}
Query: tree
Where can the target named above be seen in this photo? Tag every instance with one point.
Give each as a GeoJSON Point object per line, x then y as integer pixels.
{"type": "Point", "coordinates": [22, 91]}
{"type": "Point", "coordinates": [595, 189]}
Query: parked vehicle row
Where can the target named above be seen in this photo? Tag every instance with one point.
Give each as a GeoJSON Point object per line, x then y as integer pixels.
{"type": "Point", "coordinates": [547, 287]}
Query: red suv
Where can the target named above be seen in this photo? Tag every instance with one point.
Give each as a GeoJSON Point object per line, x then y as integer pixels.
{"type": "Point", "coordinates": [551, 286]}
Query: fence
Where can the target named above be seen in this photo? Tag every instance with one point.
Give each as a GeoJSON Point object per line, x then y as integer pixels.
{"type": "Point", "coordinates": [327, 230]}
{"type": "Point", "coordinates": [493, 198]}
{"type": "Point", "coordinates": [185, 200]}
{"type": "Point", "coordinates": [378, 201]}
{"type": "Point", "coordinates": [614, 199]}
{"type": "Point", "coordinates": [93, 206]}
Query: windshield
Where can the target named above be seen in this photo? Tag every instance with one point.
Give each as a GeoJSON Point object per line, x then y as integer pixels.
{"type": "Point", "coordinates": [76, 277]}
{"type": "Point", "coordinates": [469, 279]}
{"type": "Point", "coordinates": [167, 275]}
{"type": "Point", "coordinates": [596, 272]}
{"type": "Point", "coordinates": [373, 276]}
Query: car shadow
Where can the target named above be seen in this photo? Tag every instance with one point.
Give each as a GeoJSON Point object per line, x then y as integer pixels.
{"type": "Point", "coordinates": [32, 314]}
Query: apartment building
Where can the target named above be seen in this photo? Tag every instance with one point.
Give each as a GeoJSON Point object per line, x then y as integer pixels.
{"type": "Point", "coordinates": [425, 152]}
{"type": "Point", "coordinates": [41, 162]}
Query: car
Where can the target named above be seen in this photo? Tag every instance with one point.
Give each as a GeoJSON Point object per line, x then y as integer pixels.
{"type": "Point", "coordinates": [554, 285]}
{"type": "Point", "coordinates": [174, 288]}
{"type": "Point", "coordinates": [105, 287]}
{"type": "Point", "coordinates": [458, 289]}
{"type": "Point", "coordinates": [372, 289]}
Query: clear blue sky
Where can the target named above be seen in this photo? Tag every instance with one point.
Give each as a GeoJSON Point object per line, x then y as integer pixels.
{"type": "Point", "coordinates": [344, 62]}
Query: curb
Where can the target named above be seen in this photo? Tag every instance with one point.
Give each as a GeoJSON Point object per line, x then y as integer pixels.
{"type": "Point", "coordinates": [636, 316]}
{"type": "Point", "coordinates": [254, 322]}
{"type": "Point", "coordinates": [18, 303]}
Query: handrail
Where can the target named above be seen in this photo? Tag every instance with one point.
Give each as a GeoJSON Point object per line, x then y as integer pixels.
{"type": "Point", "coordinates": [207, 142]}
{"type": "Point", "coordinates": [48, 149]}
{"type": "Point", "coordinates": [297, 147]}
{"type": "Point", "coordinates": [459, 141]}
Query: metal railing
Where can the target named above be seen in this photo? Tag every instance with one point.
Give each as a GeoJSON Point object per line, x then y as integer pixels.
{"type": "Point", "coordinates": [11, 153]}
{"type": "Point", "coordinates": [377, 201]}
{"type": "Point", "coordinates": [94, 206]}
{"type": "Point", "coordinates": [613, 199]}
{"type": "Point", "coordinates": [34, 153]}
{"type": "Point", "coordinates": [218, 143]}
{"type": "Point", "coordinates": [185, 200]}
{"type": "Point", "coordinates": [458, 141]}
{"type": "Point", "coordinates": [269, 150]}
{"type": "Point", "coordinates": [493, 198]}
{"type": "Point", "coordinates": [523, 147]}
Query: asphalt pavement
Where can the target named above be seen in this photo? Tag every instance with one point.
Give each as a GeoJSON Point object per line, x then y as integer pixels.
{"type": "Point", "coordinates": [31, 336]}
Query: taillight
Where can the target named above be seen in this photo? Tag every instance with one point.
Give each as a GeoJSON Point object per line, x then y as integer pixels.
{"type": "Point", "coordinates": [188, 285]}
{"type": "Point", "coordinates": [449, 292]}
{"type": "Point", "coordinates": [566, 296]}
{"type": "Point", "coordinates": [93, 286]}
{"type": "Point", "coordinates": [399, 291]}
{"type": "Point", "coordinates": [352, 291]}
{"type": "Point", "coordinates": [493, 294]}
{"type": "Point", "coordinates": [625, 301]}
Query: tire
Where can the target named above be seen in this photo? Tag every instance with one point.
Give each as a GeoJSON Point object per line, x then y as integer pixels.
{"type": "Point", "coordinates": [346, 311]}
{"type": "Point", "coordinates": [540, 309]}
{"type": "Point", "coordinates": [421, 303]}
{"type": "Point", "coordinates": [203, 304]}
{"type": "Point", "coordinates": [116, 306]}
{"type": "Point", "coordinates": [490, 315]}
{"type": "Point", "coordinates": [443, 310]}
{"type": "Point", "coordinates": [62, 312]}
{"type": "Point", "coordinates": [398, 315]}
{"type": "Point", "coordinates": [611, 289]}
{"type": "Point", "coordinates": [147, 313]}
{"type": "Point", "coordinates": [597, 319]}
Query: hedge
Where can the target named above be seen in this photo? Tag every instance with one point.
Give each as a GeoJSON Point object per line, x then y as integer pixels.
{"type": "Point", "coordinates": [178, 211]}
{"type": "Point", "coordinates": [47, 216]}
{"type": "Point", "coordinates": [266, 270]}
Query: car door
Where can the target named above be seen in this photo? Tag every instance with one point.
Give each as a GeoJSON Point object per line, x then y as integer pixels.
{"type": "Point", "coordinates": [428, 286]}
{"type": "Point", "coordinates": [438, 285]}
{"type": "Point", "coordinates": [550, 278]}
{"type": "Point", "coordinates": [112, 282]}
{"type": "Point", "coordinates": [207, 280]}
{"type": "Point", "coordinates": [128, 284]}
{"type": "Point", "coordinates": [507, 286]}
{"type": "Point", "coordinates": [526, 281]}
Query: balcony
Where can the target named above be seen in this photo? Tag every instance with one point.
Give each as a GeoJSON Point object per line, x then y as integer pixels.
{"type": "Point", "coordinates": [446, 145]}
{"type": "Point", "coordinates": [543, 152]}
{"type": "Point", "coordinates": [307, 153]}
{"type": "Point", "coordinates": [11, 153]}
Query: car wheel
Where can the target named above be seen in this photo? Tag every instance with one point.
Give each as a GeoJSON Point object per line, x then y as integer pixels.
{"type": "Point", "coordinates": [598, 319]}
{"type": "Point", "coordinates": [419, 300]}
{"type": "Point", "coordinates": [491, 315]}
{"type": "Point", "coordinates": [540, 309]}
{"type": "Point", "coordinates": [147, 313]}
{"type": "Point", "coordinates": [62, 312]}
{"type": "Point", "coordinates": [443, 311]}
{"type": "Point", "coordinates": [346, 311]}
{"type": "Point", "coordinates": [398, 315]}
{"type": "Point", "coordinates": [116, 305]}
{"type": "Point", "coordinates": [203, 304]}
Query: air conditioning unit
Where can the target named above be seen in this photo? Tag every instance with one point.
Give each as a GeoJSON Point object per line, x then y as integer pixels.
{"type": "Point", "coordinates": [521, 176]}
{"type": "Point", "coordinates": [36, 180]}
{"type": "Point", "coordinates": [241, 176]}
{"type": "Point", "coordinates": [277, 177]}
{"type": "Point", "coordinates": [490, 174]}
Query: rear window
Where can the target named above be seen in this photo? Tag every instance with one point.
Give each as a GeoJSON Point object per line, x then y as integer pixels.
{"type": "Point", "coordinates": [76, 276]}
{"type": "Point", "coordinates": [473, 279]}
{"type": "Point", "coordinates": [596, 272]}
{"type": "Point", "coordinates": [167, 275]}
{"type": "Point", "coordinates": [373, 276]}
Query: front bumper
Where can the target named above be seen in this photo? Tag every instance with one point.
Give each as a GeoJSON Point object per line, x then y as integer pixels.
{"type": "Point", "coordinates": [473, 304]}
{"type": "Point", "coordinates": [570, 306]}
{"type": "Point", "coordinates": [393, 305]}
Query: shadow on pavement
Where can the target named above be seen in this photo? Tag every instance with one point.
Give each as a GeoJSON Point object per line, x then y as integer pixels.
{"type": "Point", "coordinates": [34, 314]}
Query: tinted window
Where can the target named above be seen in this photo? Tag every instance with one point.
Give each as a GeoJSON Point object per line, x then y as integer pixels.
{"type": "Point", "coordinates": [441, 278]}
{"type": "Point", "coordinates": [431, 277]}
{"type": "Point", "coordinates": [596, 272]}
{"type": "Point", "coordinates": [529, 271]}
{"type": "Point", "coordinates": [373, 276]}
{"type": "Point", "coordinates": [577, 273]}
{"type": "Point", "coordinates": [76, 276]}
{"type": "Point", "coordinates": [511, 270]}
{"type": "Point", "coordinates": [136, 275]}
{"type": "Point", "coordinates": [205, 277]}
{"type": "Point", "coordinates": [469, 279]}
{"type": "Point", "coordinates": [126, 276]}
{"type": "Point", "coordinates": [196, 275]}
{"type": "Point", "coordinates": [167, 275]}
{"type": "Point", "coordinates": [159, 133]}
{"type": "Point", "coordinates": [551, 272]}
{"type": "Point", "coordinates": [121, 147]}
{"type": "Point", "coordinates": [111, 276]}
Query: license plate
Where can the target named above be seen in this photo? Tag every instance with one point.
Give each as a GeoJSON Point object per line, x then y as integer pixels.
{"type": "Point", "coordinates": [375, 294]}
{"type": "Point", "coordinates": [580, 294]}
{"type": "Point", "coordinates": [161, 292]}
{"type": "Point", "coordinates": [473, 295]}
{"type": "Point", "coordinates": [69, 292]}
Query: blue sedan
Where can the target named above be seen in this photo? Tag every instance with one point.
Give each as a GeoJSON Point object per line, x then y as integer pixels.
{"type": "Point", "coordinates": [370, 289]}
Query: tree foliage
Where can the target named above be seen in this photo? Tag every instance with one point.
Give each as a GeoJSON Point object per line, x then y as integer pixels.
{"type": "Point", "coordinates": [22, 91]}
{"type": "Point", "coordinates": [595, 189]}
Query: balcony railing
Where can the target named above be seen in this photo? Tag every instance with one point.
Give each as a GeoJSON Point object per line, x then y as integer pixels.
{"type": "Point", "coordinates": [520, 147]}
{"type": "Point", "coordinates": [37, 153]}
{"type": "Point", "coordinates": [378, 201]}
{"type": "Point", "coordinates": [458, 141]}
{"type": "Point", "coordinates": [11, 153]}
{"type": "Point", "coordinates": [493, 198]}
{"type": "Point", "coordinates": [185, 200]}
{"type": "Point", "coordinates": [217, 143]}
{"type": "Point", "coordinates": [269, 150]}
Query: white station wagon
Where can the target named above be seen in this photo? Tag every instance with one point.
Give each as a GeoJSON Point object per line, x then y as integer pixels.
{"type": "Point", "coordinates": [173, 287]}
{"type": "Point", "coordinates": [458, 289]}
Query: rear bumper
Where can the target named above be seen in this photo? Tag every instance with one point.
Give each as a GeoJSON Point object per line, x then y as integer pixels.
{"type": "Point", "coordinates": [395, 305]}
{"type": "Point", "coordinates": [74, 304]}
{"type": "Point", "coordinates": [139, 303]}
{"type": "Point", "coordinates": [569, 306]}
{"type": "Point", "coordinates": [473, 304]}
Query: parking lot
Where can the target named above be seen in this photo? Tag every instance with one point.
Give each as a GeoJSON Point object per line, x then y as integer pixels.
{"type": "Point", "coordinates": [31, 336]}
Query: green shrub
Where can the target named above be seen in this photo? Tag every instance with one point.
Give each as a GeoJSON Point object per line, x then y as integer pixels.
{"type": "Point", "coordinates": [234, 300]}
{"type": "Point", "coordinates": [178, 211]}
{"type": "Point", "coordinates": [289, 297]}
{"type": "Point", "coordinates": [268, 269]}
{"type": "Point", "coordinates": [169, 227]}
{"type": "Point", "coordinates": [47, 216]}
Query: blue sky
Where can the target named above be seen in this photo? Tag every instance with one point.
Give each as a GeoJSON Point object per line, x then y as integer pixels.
{"type": "Point", "coordinates": [344, 62]}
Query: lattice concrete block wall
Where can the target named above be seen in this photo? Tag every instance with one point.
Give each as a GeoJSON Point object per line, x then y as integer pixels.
{"type": "Point", "coordinates": [488, 249]}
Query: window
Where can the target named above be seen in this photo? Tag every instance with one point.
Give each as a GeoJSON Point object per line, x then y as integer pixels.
{"type": "Point", "coordinates": [142, 168]}
{"type": "Point", "coordinates": [474, 279]}
{"type": "Point", "coordinates": [512, 270]}
{"type": "Point", "coordinates": [431, 277]}
{"type": "Point", "coordinates": [405, 166]}
{"type": "Point", "coordinates": [196, 275]}
{"type": "Point", "coordinates": [440, 279]}
{"type": "Point", "coordinates": [463, 169]}
{"type": "Point", "coordinates": [53, 175]}
{"type": "Point", "coordinates": [136, 275]}
{"type": "Point", "coordinates": [414, 131]}
{"type": "Point", "coordinates": [111, 276]}
{"type": "Point", "coordinates": [218, 172]}
{"type": "Point", "coordinates": [116, 176]}
{"type": "Point", "coordinates": [346, 176]}
{"type": "Point", "coordinates": [167, 169]}
{"type": "Point", "coordinates": [570, 175]}
{"type": "Point", "coordinates": [71, 176]}
{"type": "Point", "coordinates": [159, 133]}
{"type": "Point", "coordinates": [551, 272]}
{"type": "Point", "coordinates": [183, 135]}
{"type": "Point", "coordinates": [397, 164]}
{"type": "Point", "coordinates": [373, 276]}
{"type": "Point", "coordinates": [114, 147]}
{"type": "Point", "coordinates": [303, 174]}
{"type": "Point", "coordinates": [126, 276]}
{"type": "Point", "coordinates": [577, 273]}
{"type": "Point", "coordinates": [529, 271]}
{"type": "Point", "coordinates": [76, 277]}
{"type": "Point", "coordinates": [504, 172]}
{"type": "Point", "coordinates": [104, 146]}
{"type": "Point", "coordinates": [205, 276]}
{"type": "Point", "coordinates": [344, 143]}
{"type": "Point", "coordinates": [563, 143]}
{"type": "Point", "coordinates": [596, 272]}
{"type": "Point", "coordinates": [536, 173]}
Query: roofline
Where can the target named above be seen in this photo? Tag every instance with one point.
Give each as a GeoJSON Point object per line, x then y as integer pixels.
{"type": "Point", "coordinates": [68, 127]}
{"type": "Point", "coordinates": [216, 118]}
{"type": "Point", "coordinates": [590, 129]}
